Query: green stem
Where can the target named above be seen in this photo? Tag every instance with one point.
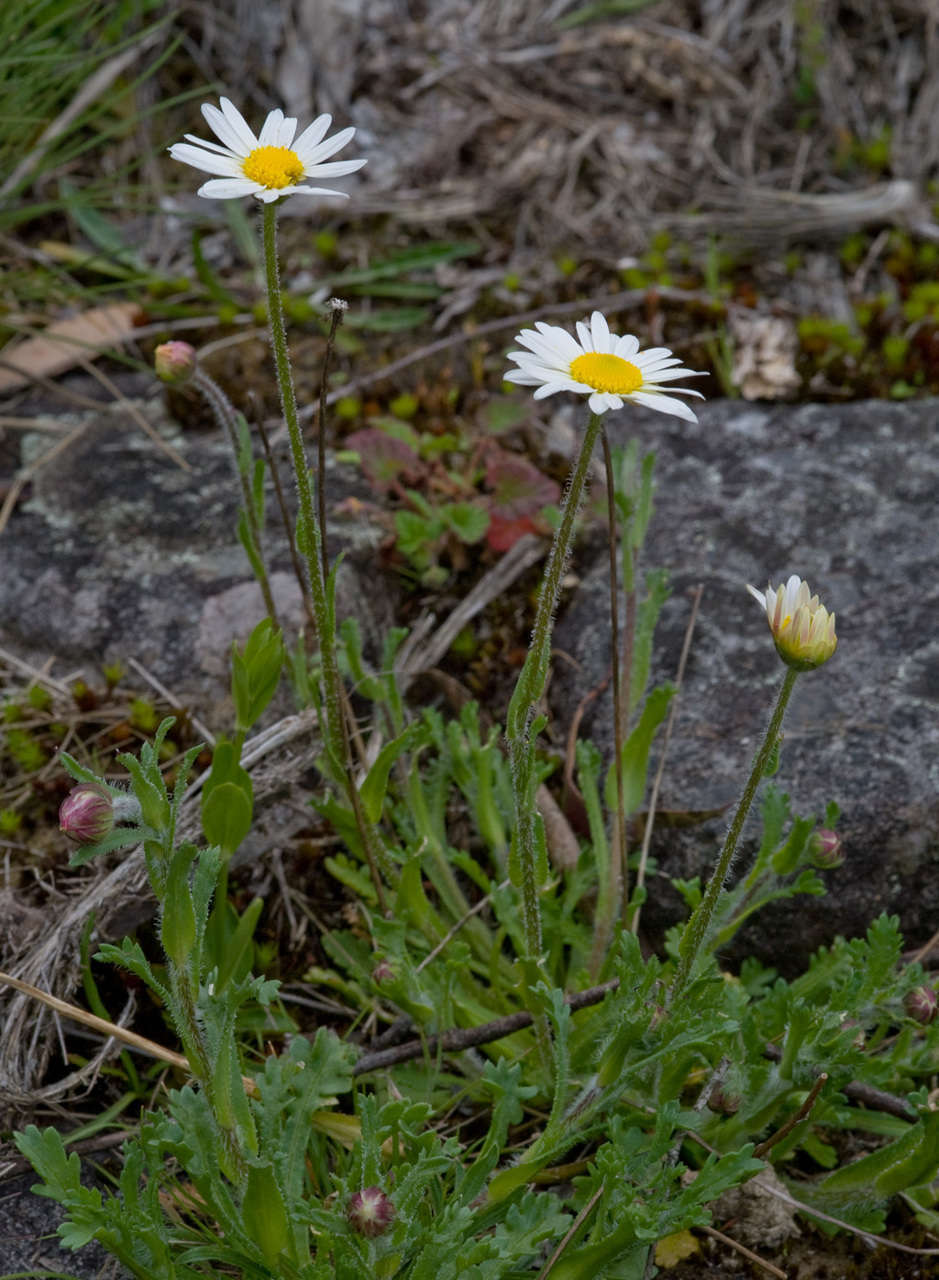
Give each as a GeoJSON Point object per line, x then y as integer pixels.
{"type": "Point", "coordinates": [334, 324]}
{"type": "Point", "coordinates": [521, 712]}
{"type": "Point", "coordinates": [617, 887]}
{"type": "Point", "coordinates": [695, 931]}
{"type": "Point", "coordinates": [309, 537]}
{"type": "Point", "coordinates": [224, 413]}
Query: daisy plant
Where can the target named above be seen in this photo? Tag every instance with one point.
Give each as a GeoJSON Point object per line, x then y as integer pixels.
{"type": "Point", "coordinates": [270, 167]}
{"type": "Point", "coordinates": [609, 370]}
{"type": "Point", "coordinates": [804, 634]}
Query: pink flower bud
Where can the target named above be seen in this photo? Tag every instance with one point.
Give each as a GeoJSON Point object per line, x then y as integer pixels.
{"type": "Point", "coordinates": [826, 850]}
{"type": "Point", "coordinates": [383, 972]}
{"type": "Point", "coordinates": [175, 362]}
{"type": "Point", "coordinates": [724, 1102]}
{"type": "Point", "coordinates": [370, 1212]}
{"type": "Point", "coordinates": [86, 814]}
{"type": "Point", "coordinates": [921, 1004]}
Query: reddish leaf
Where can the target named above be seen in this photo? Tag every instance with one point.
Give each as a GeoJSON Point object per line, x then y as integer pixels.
{"type": "Point", "coordinates": [384, 458]}
{"type": "Point", "coordinates": [503, 534]}
{"type": "Point", "coordinates": [519, 487]}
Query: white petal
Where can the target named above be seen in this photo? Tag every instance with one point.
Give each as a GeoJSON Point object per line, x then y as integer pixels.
{"type": "Point", "coordinates": [270, 129]}
{"type": "Point", "coordinates": [669, 375]}
{"type": "Point", "coordinates": [532, 364]}
{"type": "Point", "coordinates": [653, 388]}
{"type": "Point", "coordinates": [207, 161]}
{"type": "Point", "coordinates": [548, 389]}
{"type": "Point", "coordinates": [228, 128]}
{"type": "Point", "coordinates": [545, 351]}
{"type": "Point", "coordinates": [287, 130]}
{"type": "Point", "coordinates": [314, 191]}
{"type": "Point", "coordinates": [237, 121]}
{"type": "Point", "coordinates": [626, 347]}
{"type": "Point", "coordinates": [312, 134]}
{"type": "Point", "coordinates": [601, 332]}
{"type": "Point", "coordinates": [585, 336]}
{"type": "Point", "coordinates": [651, 367]}
{"type": "Point", "coordinates": [337, 169]}
{"type": "Point", "coordinates": [536, 343]}
{"type": "Point", "coordinates": [209, 146]}
{"type": "Point", "coordinates": [313, 155]}
{"type": "Point", "coordinates": [568, 348]}
{"type": "Point", "coordinates": [554, 334]}
{"type": "Point", "coordinates": [521, 378]}
{"type": "Point", "coordinates": [758, 596]}
{"type": "Point", "coordinates": [227, 188]}
{"type": "Point", "coordinates": [600, 403]}
{"type": "Point", "coordinates": [664, 404]}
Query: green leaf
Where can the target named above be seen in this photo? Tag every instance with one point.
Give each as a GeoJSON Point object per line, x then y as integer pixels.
{"type": "Point", "coordinates": [238, 948]}
{"type": "Point", "coordinates": [178, 921]}
{"type": "Point", "coordinates": [256, 672]}
{"type": "Point", "coordinates": [657, 592]}
{"type": "Point", "coordinates": [265, 1214]}
{"type": "Point", "coordinates": [226, 815]}
{"type": "Point", "coordinates": [227, 798]}
{"type": "Point", "coordinates": [375, 785]}
{"type": "Point", "coordinates": [908, 1162]}
{"type": "Point", "coordinates": [416, 535]}
{"type": "Point", "coordinates": [61, 1175]}
{"type": "Point", "coordinates": [468, 521]}
{"type": "Point", "coordinates": [635, 758]}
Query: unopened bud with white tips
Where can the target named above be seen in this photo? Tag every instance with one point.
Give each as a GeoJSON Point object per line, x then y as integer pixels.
{"type": "Point", "coordinates": [370, 1212]}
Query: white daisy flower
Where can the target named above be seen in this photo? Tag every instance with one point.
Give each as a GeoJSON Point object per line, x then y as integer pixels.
{"type": "Point", "coordinates": [608, 368]}
{"type": "Point", "coordinates": [269, 166]}
{"type": "Point", "coordinates": [803, 630]}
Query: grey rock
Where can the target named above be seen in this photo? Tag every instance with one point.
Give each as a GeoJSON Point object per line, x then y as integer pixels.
{"type": "Point", "coordinates": [29, 1243]}
{"type": "Point", "coordinates": [119, 553]}
{"type": "Point", "coordinates": [845, 496]}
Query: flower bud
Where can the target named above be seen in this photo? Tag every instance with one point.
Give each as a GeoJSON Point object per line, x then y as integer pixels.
{"type": "Point", "coordinates": [86, 814]}
{"type": "Point", "coordinates": [803, 630]}
{"type": "Point", "coordinates": [825, 849]}
{"type": "Point", "coordinates": [921, 1004]}
{"type": "Point", "coordinates": [370, 1212]}
{"type": "Point", "coordinates": [724, 1102]}
{"type": "Point", "coordinates": [383, 972]}
{"type": "Point", "coordinates": [175, 362]}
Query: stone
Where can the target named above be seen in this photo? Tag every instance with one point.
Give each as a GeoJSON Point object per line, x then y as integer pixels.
{"type": "Point", "coordinates": [119, 553]}
{"type": "Point", "coordinates": [846, 497]}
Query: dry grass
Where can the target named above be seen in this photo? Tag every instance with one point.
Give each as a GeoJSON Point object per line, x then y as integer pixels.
{"type": "Point", "coordinates": [596, 134]}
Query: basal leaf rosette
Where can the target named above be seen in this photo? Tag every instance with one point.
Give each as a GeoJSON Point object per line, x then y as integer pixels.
{"type": "Point", "coordinates": [803, 630]}
{"type": "Point", "coordinates": [268, 166]}
{"type": "Point", "coordinates": [605, 366]}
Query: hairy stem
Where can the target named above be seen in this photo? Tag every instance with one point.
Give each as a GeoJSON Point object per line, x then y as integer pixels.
{"type": "Point", "coordinates": [311, 547]}
{"type": "Point", "coordinates": [695, 932]}
{"type": "Point", "coordinates": [528, 692]}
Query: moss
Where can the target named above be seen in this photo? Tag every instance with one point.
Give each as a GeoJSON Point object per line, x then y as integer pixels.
{"type": "Point", "coordinates": [10, 822]}
{"type": "Point", "coordinates": [143, 715]}
{"type": "Point", "coordinates": [853, 250]}
{"type": "Point", "coordinates": [923, 301]}
{"type": "Point", "coordinates": [404, 406]}
{"type": "Point", "coordinates": [896, 350]}
{"type": "Point", "coordinates": [822, 336]}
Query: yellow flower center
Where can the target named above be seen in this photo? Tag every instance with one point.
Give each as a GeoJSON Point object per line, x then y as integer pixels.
{"type": "Point", "coordinates": [273, 167]}
{"type": "Point", "coordinates": [605, 372]}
